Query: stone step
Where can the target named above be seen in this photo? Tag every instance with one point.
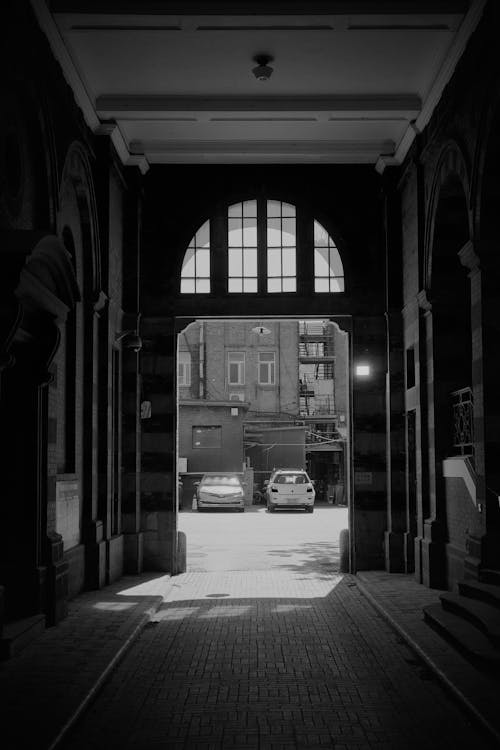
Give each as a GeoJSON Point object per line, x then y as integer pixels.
{"type": "Point", "coordinates": [464, 636]}
{"type": "Point", "coordinates": [486, 592]}
{"type": "Point", "coordinates": [490, 576]}
{"type": "Point", "coordinates": [17, 635]}
{"type": "Point", "coordinates": [484, 616]}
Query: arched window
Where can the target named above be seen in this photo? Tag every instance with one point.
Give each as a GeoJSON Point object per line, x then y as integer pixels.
{"type": "Point", "coordinates": [261, 246]}
{"type": "Point", "coordinates": [195, 274]}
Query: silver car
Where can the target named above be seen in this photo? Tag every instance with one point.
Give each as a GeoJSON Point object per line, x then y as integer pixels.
{"type": "Point", "coordinates": [220, 490]}
{"type": "Point", "coordinates": [290, 488]}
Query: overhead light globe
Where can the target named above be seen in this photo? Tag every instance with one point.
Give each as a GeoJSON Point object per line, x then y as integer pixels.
{"type": "Point", "coordinates": [261, 330]}
{"type": "Point", "coordinates": [263, 70]}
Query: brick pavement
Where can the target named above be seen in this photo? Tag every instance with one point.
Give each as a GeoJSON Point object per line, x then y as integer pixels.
{"type": "Point", "coordinates": [46, 687]}
{"type": "Point", "coordinates": [271, 659]}
{"type": "Point", "coordinates": [280, 658]}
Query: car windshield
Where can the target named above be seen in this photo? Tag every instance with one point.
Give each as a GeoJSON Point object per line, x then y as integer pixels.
{"type": "Point", "coordinates": [221, 479]}
{"type": "Point", "coordinates": [291, 479]}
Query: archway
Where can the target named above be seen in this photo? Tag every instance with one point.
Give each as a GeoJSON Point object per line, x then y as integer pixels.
{"type": "Point", "coordinates": [358, 309]}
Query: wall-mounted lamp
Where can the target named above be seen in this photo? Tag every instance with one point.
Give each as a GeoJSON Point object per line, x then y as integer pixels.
{"type": "Point", "coordinates": [362, 371]}
{"type": "Point", "coordinates": [130, 340]}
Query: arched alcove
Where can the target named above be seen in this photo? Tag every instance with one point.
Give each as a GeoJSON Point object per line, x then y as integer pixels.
{"type": "Point", "coordinates": [451, 423]}
{"type": "Point", "coordinates": [46, 290]}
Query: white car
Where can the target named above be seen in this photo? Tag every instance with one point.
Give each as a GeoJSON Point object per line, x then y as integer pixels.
{"type": "Point", "coordinates": [290, 488]}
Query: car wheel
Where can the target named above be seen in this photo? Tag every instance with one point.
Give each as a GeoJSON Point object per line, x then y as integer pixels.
{"type": "Point", "coordinates": [270, 508]}
{"type": "Point", "coordinates": [310, 509]}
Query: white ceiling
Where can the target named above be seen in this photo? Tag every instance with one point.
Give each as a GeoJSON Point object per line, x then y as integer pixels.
{"type": "Point", "coordinates": [177, 87]}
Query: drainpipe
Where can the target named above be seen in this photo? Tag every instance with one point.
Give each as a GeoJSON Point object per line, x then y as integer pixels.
{"type": "Point", "coordinates": [201, 345]}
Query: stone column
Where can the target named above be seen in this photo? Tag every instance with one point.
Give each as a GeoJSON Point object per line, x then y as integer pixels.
{"type": "Point", "coordinates": [395, 451]}
{"type": "Point", "coordinates": [93, 527]}
{"type": "Point", "coordinates": [430, 562]}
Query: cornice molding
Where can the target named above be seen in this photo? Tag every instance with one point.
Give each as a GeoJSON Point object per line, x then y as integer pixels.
{"type": "Point", "coordinates": [467, 28]}
{"type": "Point", "coordinates": [82, 98]}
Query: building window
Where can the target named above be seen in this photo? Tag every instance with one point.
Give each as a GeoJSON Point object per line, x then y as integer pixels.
{"type": "Point", "coordinates": [184, 369]}
{"type": "Point", "coordinates": [281, 247]}
{"type": "Point", "coordinates": [328, 269]}
{"type": "Point", "coordinates": [267, 368]}
{"type": "Point", "coordinates": [261, 246]}
{"type": "Point", "coordinates": [195, 274]}
{"type": "Point", "coordinates": [236, 368]}
{"type": "Point", "coordinates": [207, 436]}
{"type": "Point", "coordinates": [242, 247]}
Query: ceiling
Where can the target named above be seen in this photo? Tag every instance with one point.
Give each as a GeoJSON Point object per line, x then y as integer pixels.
{"type": "Point", "coordinates": [172, 82]}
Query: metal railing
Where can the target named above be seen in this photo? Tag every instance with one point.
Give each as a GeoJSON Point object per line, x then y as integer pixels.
{"type": "Point", "coordinates": [463, 421]}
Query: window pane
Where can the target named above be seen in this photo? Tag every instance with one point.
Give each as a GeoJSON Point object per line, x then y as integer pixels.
{"type": "Point", "coordinates": [273, 208]}
{"type": "Point", "coordinates": [236, 356]}
{"type": "Point", "coordinates": [203, 235]}
{"type": "Point", "coordinates": [233, 372]}
{"type": "Point", "coordinates": [274, 285]}
{"type": "Point", "coordinates": [266, 356]}
{"type": "Point", "coordinates": [235, 262]}
{"type": "Point", "coordinates": [203, 263]}
{"type": "Point", "coordinates": [263, 378]}
{"type": "Point", "coordinates": [251, 261]}
{"type": "Point", "coordinates": [250, 208]}
{"type": "Point", "coordinates": [274, 232]}
{"type": "Point", "coordinates": [320, 235]}
{"type": "Point", "coordinates": [289, 285]}
{"type": "Point", "coordinates": [335, 262]}
{"type": "Point", "coordinates": [288, 259]}
{"type": "Point", "coordinates": [337, 285]}
{"type": "Point", "coordinates": [187, 286]}
{"type": "Point", "coordinates": [287, 209]}
{"type": "Point", "coordinates": [188, 263]}
{"type": "Point", "coordinates": [250, 232]}
{"type": "Point", "coordinates": [288, 236]}
{"type": "Point", "coordinates": [234, 210]}
{"type": "Point", "coordinates": [321, 266]}
{"type": "Point", "coordinates": [321, 285]}
{"type": "Point", "coordinates": [234, 233]}
{"type": "Point", "coordinates": [250, 285]}
{"type": "Point", "coordinates": [234, 285]}
{"type": "Point", "coordinates": [274, 261]}
{"type": "Point", "coordinates": [203, 286]}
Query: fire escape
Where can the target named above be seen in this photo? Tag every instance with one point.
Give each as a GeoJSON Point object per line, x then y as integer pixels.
{"type": "Point", "coordinates": [316, 369]}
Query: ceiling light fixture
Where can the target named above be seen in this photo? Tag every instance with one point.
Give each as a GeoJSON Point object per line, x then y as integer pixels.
{"type": "Point", "coordinates": [263, 70]}
{"type": "Point", "coordinates": [261, 330]}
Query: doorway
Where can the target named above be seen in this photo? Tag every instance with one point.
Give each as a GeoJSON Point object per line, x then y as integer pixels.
{"type": "Point", "coordinates": [254, 395]}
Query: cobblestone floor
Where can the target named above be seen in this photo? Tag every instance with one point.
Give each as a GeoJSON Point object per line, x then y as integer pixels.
{"type": "Point", "coordinates": [271, 659]}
